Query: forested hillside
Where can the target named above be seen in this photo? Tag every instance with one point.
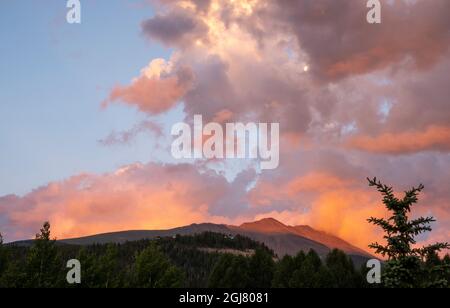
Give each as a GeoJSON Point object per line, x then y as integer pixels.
{"type": "Point", "coordinates": [194, 261]}
{"type": "Point", "coordinates": [204, 260]}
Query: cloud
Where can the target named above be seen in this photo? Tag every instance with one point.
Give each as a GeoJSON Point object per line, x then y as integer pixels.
{"type": "Point", "coordinates": [335, 205]}
{"type": "Point", "coordinates": [138, 196]}
{"type": "Point", "coordinates": [158, 89]}
{"type": "Point", "coordinates": [242, 61]}
{"type": "Point", "coordinates": [434, 138]}
{"type": "Point", "coordinates": [327, 189]}
{"type": "Point", "coordinates": [126, 137]}
{"type": "Point", "coordinates": [340, 42]}
{"type": "Point", "coordinates": [177, 28]}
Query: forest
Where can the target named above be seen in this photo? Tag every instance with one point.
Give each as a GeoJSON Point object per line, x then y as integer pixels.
{"type": "Point", "coordinates": [176, 262]}
{"type": "Point", "coordinates": [213, 260]}
{"type": "Point", "coordinates": [180, 261]}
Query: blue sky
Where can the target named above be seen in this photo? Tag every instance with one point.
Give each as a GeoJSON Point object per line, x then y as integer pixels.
{"type": "Point", "coordinates": [53, 78]}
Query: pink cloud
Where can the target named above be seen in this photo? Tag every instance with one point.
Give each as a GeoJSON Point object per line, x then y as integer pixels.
{"type": "Point", "coordinates": [434, 138]}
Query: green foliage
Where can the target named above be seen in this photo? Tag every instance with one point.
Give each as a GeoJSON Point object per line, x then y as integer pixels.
{"type": "Point", "coordinates": [152, 269]}
{"type": "Point", "coordinates": [230, 272]}
{"type": "Point", "coordinates": [163, 262]}
{"type": "Point", "coordinates": [236, 271]}
{"type": "Point", "coordinates": [3, 260]}
{"type": "Point", "coordinates": [3, 257]}
{"type": "Point", "coordinates": [261, 269]}
{"type": "Point", "coordinates": [308, 271]}
{"type": "Point", "coordinates": [43, 262]}
{"type": "Point", "coordinates": [106, 268]}
{"type": "Point", "coordinates": [406, 266]}
{"type": "Point", "coordinates": [306, 274]}
{"type": "Point", "coordinates": [91, 276]}
{"type": "Point", "coordinates": [283, 272]}
{"type": "Point", "coordinates": [181, 261]}
{"type": "Point", "coordinates": [342, 271]}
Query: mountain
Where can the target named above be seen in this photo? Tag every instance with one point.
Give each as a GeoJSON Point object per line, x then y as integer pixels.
{"type": "Point", "coordinates": [280, 238]}
{"type": "Point", "coordinates": [272, 226]}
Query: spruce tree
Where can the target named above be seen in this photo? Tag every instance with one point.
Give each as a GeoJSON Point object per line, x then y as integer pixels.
{"type": "Point", "coordinates": [342, 270]}
{"type": "Point", "coordinates": [283, 272]}
{"type": "Point", "coordinates": [230, 271]}
{"type": "Point", "coordinates": [43, 263]}
{"type": "Point", "coordinates": [3, 258]}
{"type": "Point", "coordinates": [152, 269]}
{"type": "Point", "coordinates": [261, 269]}
{"type": "Point", "coordinates": [307, 270]}
{"type": "Point", "coordinates": [406, 267]}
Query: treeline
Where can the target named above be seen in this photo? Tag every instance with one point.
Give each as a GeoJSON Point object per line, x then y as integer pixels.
{"type": "Point", "coordinates": [163, 262]}
{"type": "Point", "coordinates": [176, 262]}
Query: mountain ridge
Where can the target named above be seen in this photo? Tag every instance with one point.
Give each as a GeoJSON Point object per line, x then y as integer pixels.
{"type": "Point", "coordinates": [283, 239]}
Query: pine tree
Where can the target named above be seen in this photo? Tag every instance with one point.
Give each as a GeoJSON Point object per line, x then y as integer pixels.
{"type": "Point", "coordinates": [342, 270]}
{"type": "Point", "coordinates": [89, 275]}
{"type": "Point", "coordinates": [306, 271]}
{"type": "Point", "coordinates": [283, 272]}
{"type": "Point", "coordinates": [107, 269]}
{"type": "Point", "coordinates": [3, 258]}
{"type": "Point", "coordinates": [230, 271]}
{"type": "Point", "coordinates": [406, 263]}
{"type": "Point", "coordinates": [261, 269]}
{"type": "Point", "coordinates": [43, 263]}
{"type": "Point", "coordinates": [152, 269]}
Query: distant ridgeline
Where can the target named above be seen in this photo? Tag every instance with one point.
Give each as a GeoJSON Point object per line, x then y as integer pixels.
{"type": "Point", "coordinates": [203, 260]}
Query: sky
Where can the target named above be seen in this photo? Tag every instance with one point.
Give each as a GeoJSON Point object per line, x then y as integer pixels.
{"type": "Point", "coordinates": [87, 110]}
{"type": "Point", "coordinates": [53, 77]}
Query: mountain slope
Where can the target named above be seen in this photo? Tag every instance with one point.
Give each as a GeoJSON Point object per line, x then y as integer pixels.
{"type": "Point", "coordinates": [280, 238]}
{"type": "Point", "coordinates": [328, 240]}
{"type": "Point", "coordinates": [273, 227]}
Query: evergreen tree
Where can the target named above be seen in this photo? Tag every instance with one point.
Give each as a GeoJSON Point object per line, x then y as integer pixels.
{"type": "Point", "coordinates": [106, 269]}
{"type": "Point", "coordinates": [342, 270]}
{"type": "Point", "coordinates": [435, 271]}
{"type": "Point", "coordinates": [13, 276]}
{"type": "Point", "coordinates": [306, 271]}
{"type": "Point", "coordinates": [261, 269]}
{"type": "Point", "coordinates": [3, 260]}
{"type": "Point", "coordinates": [283, 272]}
{"type": "Point", "coordinates": [230, 272]}
{"type": "Point", "coordinates": [446, 265]}
{"type": "Point", "coordinates": [91, 270]}
{"type": "Point", "coordinates": [153, 270]}
{"type": "Point", "coordinates": [405, 266]}
{"type": "Point", "coordinates": [43, 264]}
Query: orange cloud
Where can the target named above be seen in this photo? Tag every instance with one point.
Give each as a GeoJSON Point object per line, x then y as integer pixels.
{"type": "Point", "coordinates": [344, 213]}
{"type": "Point", "coordinates": [434, 138]}
{"type": "Point", "coordinates": [134, 197]}
{"type": "Point", "coordinates": [316, 181]}
{"type": "Point", "coordinates": [335, 205]}
{"type": "Point", "coordinates": [157, 90]}
{"type": "Point", "coordinates": [266, 192]}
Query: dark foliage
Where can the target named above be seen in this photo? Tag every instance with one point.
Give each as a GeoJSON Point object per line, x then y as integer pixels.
{"type": "Point", "coordinates": [407, 266]}
{"type": "Point", "coordinates": [203, 260]}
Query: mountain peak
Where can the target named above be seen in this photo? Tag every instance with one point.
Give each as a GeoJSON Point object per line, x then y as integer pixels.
{"type": "Point", "coordinates": [265, 225]}
{"type": "Point", "coordinates": [273, 226]}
